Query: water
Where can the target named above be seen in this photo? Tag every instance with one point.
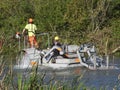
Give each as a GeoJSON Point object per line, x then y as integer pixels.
{"type": "Point", "coordinates": [99, 79]}
{"type": "Point", "coordinates": [105, 79]}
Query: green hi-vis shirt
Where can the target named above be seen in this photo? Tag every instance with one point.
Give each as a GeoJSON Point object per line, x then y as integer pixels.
{"type": "Point", "coordinates": [31, 29]}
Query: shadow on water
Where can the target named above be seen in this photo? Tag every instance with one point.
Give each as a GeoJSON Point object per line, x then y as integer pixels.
{"type": "Point", "coordinates": [98, 79]}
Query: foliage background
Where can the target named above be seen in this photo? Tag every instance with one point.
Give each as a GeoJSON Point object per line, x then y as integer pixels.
{"type": "Point", "coordinates": [75, 21]}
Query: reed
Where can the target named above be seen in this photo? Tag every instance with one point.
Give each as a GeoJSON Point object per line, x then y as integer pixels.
{"type": "Point", "coordinates": [1, 72]}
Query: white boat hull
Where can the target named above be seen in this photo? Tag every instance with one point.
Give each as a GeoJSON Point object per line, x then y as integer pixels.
{"type": "Point", "coordinates": [49, 65]}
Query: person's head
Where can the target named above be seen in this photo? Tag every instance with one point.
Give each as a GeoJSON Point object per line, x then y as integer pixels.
{"type": "Point", "coordinates": [30, 20]}
{"type": "Point", "coordinates": [56, 38]}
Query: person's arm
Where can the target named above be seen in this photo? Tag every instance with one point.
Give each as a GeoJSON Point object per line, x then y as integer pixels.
{"type": "Point", "coordinates": [23, 31]}
{"type": "Point", "coordinates": [35, 27]}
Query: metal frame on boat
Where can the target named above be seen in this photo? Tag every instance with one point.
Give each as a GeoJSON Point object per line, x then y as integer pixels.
{"type": "Point", "coordinates": [69, 56]}
{"type": "Point", "coordinates": [32, 57]}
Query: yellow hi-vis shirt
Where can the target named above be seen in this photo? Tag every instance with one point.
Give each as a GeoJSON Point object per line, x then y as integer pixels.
{"type": "Point", "coordinates": [31, 29]}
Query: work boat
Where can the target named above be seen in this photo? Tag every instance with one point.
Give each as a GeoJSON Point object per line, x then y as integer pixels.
{"type": "Point", "coordinates": [59, 58]}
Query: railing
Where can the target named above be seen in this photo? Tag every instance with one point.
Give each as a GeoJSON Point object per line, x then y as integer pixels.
{"type": "Point", "coordinates": [23, 41]}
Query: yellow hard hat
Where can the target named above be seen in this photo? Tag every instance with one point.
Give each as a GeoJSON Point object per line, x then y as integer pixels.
{"type": "Point", "coordinates": [56, 38]}
{"type": "Point", "coordinates": [30, 20]}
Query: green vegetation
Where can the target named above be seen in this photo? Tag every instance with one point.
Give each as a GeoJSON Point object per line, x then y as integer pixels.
{"type": "Point", "coordinates": [75, 21]}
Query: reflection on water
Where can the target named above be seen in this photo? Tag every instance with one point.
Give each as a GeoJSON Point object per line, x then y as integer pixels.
{"type": "Point", "coordinates": [105, 79]}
